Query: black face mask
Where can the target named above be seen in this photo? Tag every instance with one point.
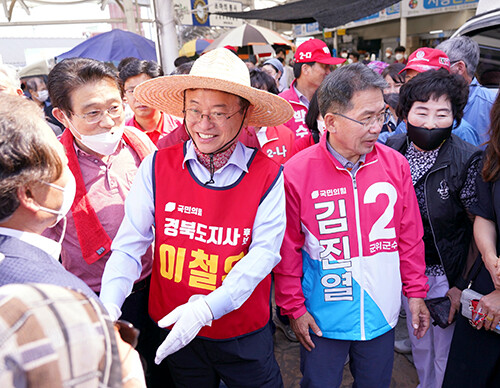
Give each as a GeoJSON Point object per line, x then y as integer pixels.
{"type": "Point", "coordinates": [428, 139]}
{"type": "Point", "coordinates": [391, 99]}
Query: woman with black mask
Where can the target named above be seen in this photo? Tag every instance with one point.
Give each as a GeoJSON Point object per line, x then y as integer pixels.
{"type": "Point", "coordinates": [475, 350]}
{"type": "Point", "coordinates": [443, 169]}
{"type": "Point", "coordinates": [395, 80]}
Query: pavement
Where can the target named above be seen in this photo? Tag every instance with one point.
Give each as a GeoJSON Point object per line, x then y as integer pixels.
{"type": "Point", "coordinates": [286, 352]}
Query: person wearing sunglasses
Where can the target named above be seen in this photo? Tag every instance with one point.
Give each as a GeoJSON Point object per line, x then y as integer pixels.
{"type": "Point", "coordinates": [104, 156]}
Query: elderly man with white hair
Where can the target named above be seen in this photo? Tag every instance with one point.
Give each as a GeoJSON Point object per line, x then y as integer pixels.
{"type": "Point", "coordinates": [9, 80]}
{"type": "Point", "coordinates": [218, 208]}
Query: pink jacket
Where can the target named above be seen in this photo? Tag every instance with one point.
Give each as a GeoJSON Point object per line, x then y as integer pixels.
{"type": "Point", "coordinates": [297, 123]}
{"type": "Point", "coordinates": [351, 243]}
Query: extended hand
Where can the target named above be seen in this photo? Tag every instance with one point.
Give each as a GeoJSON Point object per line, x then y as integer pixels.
{"type": "Point", "coordinates": [420, 317]}
{"type": "Point", "coordinates": [300, 327]}
{"type": "Point", "coordinates": [490, 307]}
{"type": "Point", "coordinates": [189, 318]}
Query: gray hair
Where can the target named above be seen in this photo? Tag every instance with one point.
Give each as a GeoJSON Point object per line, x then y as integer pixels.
{"type": "Point", "coordinates": [462, 48]}
{"type": "Point", "coordinates": [337, 89]}
{"type": "Point", "coordinates": [11, 75]}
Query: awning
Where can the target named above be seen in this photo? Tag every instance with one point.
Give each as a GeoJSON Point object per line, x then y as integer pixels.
{"type": "Point", "coordinates": [328, 13]}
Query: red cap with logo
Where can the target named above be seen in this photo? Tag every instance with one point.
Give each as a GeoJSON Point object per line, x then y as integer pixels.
{"type": "Point", "coordinates": [315, 50]}
{"type": "Point", "coordinates": [426, 58]}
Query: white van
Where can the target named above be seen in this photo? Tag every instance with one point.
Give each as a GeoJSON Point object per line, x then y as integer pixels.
{"type": "Point", "coordinates": [484, 28]}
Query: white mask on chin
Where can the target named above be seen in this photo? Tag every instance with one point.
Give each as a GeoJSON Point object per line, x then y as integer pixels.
{"type": "Point", "coordinates": [104, 143]}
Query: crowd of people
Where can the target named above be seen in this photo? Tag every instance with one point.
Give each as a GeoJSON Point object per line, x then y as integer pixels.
{"type": "Point", "coordinates": [146, 220]}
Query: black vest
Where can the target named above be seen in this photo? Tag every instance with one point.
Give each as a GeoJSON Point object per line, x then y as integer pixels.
{"type": "Point", "coordinates": [450, 224]}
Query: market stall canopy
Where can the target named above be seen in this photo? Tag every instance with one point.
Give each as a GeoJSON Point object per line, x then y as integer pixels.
{"type": "Point", "coordinates": [328, 13]}
{"type": "Point", "coordinates": [113, 46]}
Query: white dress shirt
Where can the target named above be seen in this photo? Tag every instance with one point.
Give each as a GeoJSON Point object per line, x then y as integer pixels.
{"type": "Point", "coordinates": [136, 234]}
{"type": "Point", "coordinates": [49, 246]}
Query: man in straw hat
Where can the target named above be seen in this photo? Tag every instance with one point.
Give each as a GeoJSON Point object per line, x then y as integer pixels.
{"type": "Point", "coordinates": [219, 212]}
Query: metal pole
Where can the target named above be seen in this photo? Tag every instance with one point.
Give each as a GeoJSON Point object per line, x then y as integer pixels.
{"type": "Point", "coordinates": [403, 31]}
{"type": "Point", "coordinates": [167, 34]}
{"type": "Point", "coordinates": [128, 6]}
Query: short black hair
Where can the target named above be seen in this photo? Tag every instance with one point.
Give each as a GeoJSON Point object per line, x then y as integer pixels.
{"type": "Point", "coordinates": [136, 67]}
{"type": "Point", "coordinates": [312, 117]}
{"type": "Point", "coordinates": [393, 71]}
{"type": "Point", "coordinates": [71, 74]}
{"type": "Point", "coordinates": [263, 81]}
{"type": "Point", "coordinates": [181, 60]}
{"type": "Point", "coordinates": [434, 84]}
{"type": "Point", "coordinates": [355, 54]}
{"type": "Point", "coordinates": [297, 68]}
{"type": "Point", "coordinates": [400, 49]}
{"type": "Point", "coordinates": [280, 50]}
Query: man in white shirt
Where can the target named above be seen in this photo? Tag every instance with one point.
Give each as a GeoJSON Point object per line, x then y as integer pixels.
{"type": "Point", "coordinates": [218, 208]}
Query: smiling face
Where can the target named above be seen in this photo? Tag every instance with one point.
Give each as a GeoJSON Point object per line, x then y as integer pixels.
{"type": "Point", "coordinates": [351, 139]}
{"type": "Point", "coordinates": [434, 113]}
{"type": "Point", "coordinates": [86, 99]}
{"type": "Point", "coordinates": [209, 136]}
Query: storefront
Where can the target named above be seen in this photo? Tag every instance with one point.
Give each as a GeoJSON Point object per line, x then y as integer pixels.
{"type": "Point", "coordinates": [410, 23]}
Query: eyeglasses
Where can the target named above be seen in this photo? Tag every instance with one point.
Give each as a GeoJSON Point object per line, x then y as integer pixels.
{"type": "Point", "coordinates": [195, 116]}
{"type": "Point", "coordinates": [95, 116]}
{"type": "Point", "coordinates": [379, 119]}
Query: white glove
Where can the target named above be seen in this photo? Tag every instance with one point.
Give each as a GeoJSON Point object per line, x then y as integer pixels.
{"type": "Point", "coordinates": [189, 318]}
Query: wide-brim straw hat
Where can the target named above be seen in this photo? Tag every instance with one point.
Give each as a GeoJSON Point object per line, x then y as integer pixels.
{"type": "Point", "coordinates": [218, 69]}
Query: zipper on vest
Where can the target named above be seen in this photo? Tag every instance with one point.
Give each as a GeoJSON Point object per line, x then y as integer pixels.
{"type": "Point", "coordinates": [429, 216]}
{"type": "Point", "coordinates": [360, 255]}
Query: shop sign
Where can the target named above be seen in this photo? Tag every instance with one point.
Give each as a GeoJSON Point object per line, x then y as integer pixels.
{"type": "Point", "coordinates": [389, 13]}
{"type": "Point", "coordinates": [412, 8]}
{"type": "Point", "coordinates": [198, 12]}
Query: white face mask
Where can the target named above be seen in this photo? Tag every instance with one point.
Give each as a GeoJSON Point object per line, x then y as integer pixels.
{"type": "Point", "coordinates": [388, 55]}
{"type": "Point", "coordinates": [43, 95]}
{"type": "Point", "coordinates": [321, 126]}
{"type": "Point", "coordinates": [343, 55]}
{"type": "Point", "coordinates": [399, 56]}
{"type": "Point", "coordinates": [68, 197]}
{"type": "Point", "coordinates": [349, 60]}
{"type": "Point", "coordinates": [104, 143]}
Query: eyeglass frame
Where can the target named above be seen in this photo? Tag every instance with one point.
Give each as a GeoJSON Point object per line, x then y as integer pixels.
{"type": "Point", "coordinates": [366, 124]}
{"type": "Point", "coordinates": [209, 118]}
{"type": "Point", "coordinates": [103, 112]}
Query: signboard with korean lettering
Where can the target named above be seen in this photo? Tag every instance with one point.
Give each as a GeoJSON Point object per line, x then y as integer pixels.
{"type": "Point", "coordinates": [412, 8]}
{"type": "Point", "coordinates": [389, 13]}
{"type": "Point", "coordinates": [200, 12]}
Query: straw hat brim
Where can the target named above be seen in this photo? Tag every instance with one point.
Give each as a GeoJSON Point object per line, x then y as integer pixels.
{"type": "Point", "coordinates": [167, 95]}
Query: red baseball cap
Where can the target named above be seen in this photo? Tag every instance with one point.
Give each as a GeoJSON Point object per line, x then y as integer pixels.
{"type": "Point", "coordinates": [426, 58]}
{"type": "Point", "coordinates": [315, 50]}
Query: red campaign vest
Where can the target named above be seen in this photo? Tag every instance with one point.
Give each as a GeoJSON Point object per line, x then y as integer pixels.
{"type": "Point", "coordinates": [201, 233]}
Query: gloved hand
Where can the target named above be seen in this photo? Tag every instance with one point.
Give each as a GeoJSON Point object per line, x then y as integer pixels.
{"type": "Point", "coordinates": [189, 318]}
